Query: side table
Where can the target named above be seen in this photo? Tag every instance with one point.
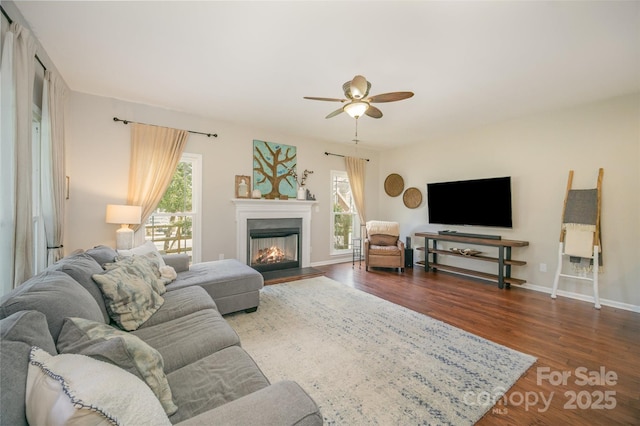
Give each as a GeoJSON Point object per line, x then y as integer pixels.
{"type": "Point", "coordinates": [356, 246]}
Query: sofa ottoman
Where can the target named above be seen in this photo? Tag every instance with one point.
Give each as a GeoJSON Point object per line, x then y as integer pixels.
{"type": "Point", "coordinates": [233, 285]}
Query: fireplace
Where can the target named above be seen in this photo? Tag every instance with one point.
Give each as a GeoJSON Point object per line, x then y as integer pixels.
{"type": "Point", "coordinates": [274, 244]}
{"type": "Point", "coordinates": [248, 209]}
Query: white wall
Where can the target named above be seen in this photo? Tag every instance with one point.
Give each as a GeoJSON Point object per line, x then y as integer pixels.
{"type": "Point", "coordinates": [538, 152]}
{"type": "Point", "coordinates": [98, 165]}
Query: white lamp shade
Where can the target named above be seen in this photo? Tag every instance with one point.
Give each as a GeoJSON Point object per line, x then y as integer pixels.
{"type": "Point", "coordinates": [356, 108]}
{"type": "Point", "coordinates": [121, 214]}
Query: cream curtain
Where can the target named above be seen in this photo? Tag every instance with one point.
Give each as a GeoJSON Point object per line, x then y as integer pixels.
{"type": "Point", "coordinates": [52, 171]}
{"type": "Point", "coordinates": [356, 173]}
{"type": "Point", "coordinates": [155, 153]}
{"type": "Point", "coordinates": [17, 73]}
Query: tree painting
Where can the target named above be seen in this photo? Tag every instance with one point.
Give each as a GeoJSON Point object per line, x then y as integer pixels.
{"type": "Point", "coordinates": [272, 164]}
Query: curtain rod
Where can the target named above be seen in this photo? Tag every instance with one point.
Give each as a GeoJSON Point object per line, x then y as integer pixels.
{"type": "Point", "coordinates": [215, 135]}
{"type": "Point", "coordinates": [4, 12]}
{"type": "Point", "coordinates": [339, 155]}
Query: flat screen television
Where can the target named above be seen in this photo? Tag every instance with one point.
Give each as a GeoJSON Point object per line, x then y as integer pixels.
{"type": "Point", "coordinates": [478, 202]}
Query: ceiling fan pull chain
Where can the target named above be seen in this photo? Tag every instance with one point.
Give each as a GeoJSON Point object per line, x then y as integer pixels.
{"type": "Point", "coordinates": [356, 139]}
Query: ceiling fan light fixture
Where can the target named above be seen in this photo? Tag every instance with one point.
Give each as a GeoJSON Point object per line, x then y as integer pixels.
{"type": "Point", "coordinates": [356, 108]}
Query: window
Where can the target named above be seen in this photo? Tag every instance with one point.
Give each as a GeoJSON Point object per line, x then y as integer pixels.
{"type": "Point", "coordinates": [345, 223]}
{"type": "Point", "coordinates": [174, 227]}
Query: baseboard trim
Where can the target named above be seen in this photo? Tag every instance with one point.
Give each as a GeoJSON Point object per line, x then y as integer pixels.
{"type": "Point", "coordinates": [338, 259]}
{"type": "Point", "coordinates": [581, 297]}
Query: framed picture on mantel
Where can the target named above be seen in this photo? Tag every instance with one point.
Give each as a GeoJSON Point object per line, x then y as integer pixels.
{"type": "Point", "coordinates": [243, 186]}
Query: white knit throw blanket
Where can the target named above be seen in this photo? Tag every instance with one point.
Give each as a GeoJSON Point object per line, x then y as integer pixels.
{"type": "Point", "coordinates": [579, 239]}
{"type": "Point", "coordinates": [375, 227]}
{"type": "Point", "coordinates": [578, 242]}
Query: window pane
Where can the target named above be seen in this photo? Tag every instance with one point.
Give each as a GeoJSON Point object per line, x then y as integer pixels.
{"type": "Point", "coordinates": [170, 227]}
{"type": "Point", "coordinates": [179, 195]}
{"type": "Point", "coordinates": [344, 218]}
{"type": "Point", "coordinates": [342, 199]}
{"type": "Point", "coordinates": [170, 234]}
{"type": "Point", "coordinates": [342, 231]}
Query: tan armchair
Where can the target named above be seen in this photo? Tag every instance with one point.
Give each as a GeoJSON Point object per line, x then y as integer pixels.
{"type": "Point", "coordinates": [382, 247]}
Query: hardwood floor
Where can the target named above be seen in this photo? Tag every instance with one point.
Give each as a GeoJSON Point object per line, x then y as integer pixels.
{"type": "Point", "coordinates": [568, 337]}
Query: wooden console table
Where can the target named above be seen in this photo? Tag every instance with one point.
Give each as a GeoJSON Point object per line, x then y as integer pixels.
{"type": "Point", "coordinates": [504, 260]}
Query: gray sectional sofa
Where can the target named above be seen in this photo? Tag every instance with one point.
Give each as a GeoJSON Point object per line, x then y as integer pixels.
{"type": "Point", "coordinates": [206, 377]}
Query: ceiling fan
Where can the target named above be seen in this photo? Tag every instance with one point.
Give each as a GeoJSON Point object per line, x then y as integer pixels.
{"type": "Point", "coordinates": [358, 101]}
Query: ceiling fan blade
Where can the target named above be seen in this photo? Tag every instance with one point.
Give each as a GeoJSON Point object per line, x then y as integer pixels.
{"type": "Point", "coordinates": [390, 97]}
{"type": "Point", "coordinates": [358, 87]}
{"type": "Point", "coordinates": [313, 98]}
{"type": "Point", "coordinates": [373, 112]}
{"type": "Point", "coordinates": [334, 113]}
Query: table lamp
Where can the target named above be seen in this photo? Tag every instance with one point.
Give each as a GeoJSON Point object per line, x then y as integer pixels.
{"type": "Point", "coordinates": [124, 216]}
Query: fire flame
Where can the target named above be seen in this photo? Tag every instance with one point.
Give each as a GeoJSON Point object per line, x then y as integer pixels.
{"type": "Point", "coordinates": [273, 254]}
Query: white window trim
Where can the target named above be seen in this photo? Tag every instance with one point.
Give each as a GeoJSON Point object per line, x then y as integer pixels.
{"type": "Point", "coordinates": [196, 182]}
{"type": "Point", "coordinates": [196, 205]}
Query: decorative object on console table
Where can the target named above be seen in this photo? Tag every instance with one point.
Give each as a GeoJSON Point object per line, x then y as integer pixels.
{"type": "Point", "coordinates": [243, 183]}
{"type": "Point", "coordinates": [124, 216]}
{"type": "Point", "coordinates": [504, 260]}
{"type": "Point", "coordinates": [272, 163]}
{"type": "Point", "coordinates": [465, 251]}
{"type": "Point", "coordinates": [393, 185]}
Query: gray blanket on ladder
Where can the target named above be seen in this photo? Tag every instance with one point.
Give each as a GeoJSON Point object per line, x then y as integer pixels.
{"type": "Point", "coordinates": [582, 208]}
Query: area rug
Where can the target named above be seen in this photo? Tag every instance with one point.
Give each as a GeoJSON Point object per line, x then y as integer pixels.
{"type": "Point", "coordinates": [368, 361]}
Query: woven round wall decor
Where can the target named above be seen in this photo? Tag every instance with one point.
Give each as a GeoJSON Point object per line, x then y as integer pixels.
{"type": "Point", "coordinates": [393, 185]}
{"type": "Point", "coordinates": [412, 197]}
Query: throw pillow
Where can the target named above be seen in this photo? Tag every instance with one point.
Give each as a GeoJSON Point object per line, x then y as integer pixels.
{"type": "Point", "coordinates": [383, 240]}
{"type": "Point", "coordinates": [145, 267]}
{"type": "Point", "coordinates": [129, 352]}
{"type": "Point", "coordinates": [130, 300]}
{"type": "Point", "coordinates": [18, 333]}
{"type": "Point", "coordinates": [102, 254]}
{"type": "Point", "coordinates": [78, 390]}
{"type": "Point", "coordinates": [147, 247]}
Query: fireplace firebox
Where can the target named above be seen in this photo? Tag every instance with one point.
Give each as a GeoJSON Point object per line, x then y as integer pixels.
{"type": "Point", "coordinates": [273, 244]}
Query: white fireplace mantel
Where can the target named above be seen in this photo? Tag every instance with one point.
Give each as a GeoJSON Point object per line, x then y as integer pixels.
{"type": "Point", "coordinates": [247, 208]}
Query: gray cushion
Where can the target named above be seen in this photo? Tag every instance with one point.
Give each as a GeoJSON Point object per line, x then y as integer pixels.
{"type": "Point", "coordinates": [18, 332]}
{"type": "Point", "coordinates": [220, 278]}
{"type": "Point", "coordinates": [178, 261]}
{"type": "Point", "coordinates": [190, 338]}
{"type": "Point", "coordinates": [222, 377]}
{"type": "Point", "coordinates": [56, 295]}
{"type": "Point", "coordinates": [103, 254]}
{"type": "Point", "coordinates": [283, 403]}
{"type": "Point", "coordinates": [180, 303]}
{"type": "Point", "coordinates": [80, 267]}
{"type": "Point", "coordinates": [109, 344]}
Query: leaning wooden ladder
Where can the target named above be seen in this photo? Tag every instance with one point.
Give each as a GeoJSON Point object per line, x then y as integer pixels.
{"type": "Point", "coordinates": [579, 210]}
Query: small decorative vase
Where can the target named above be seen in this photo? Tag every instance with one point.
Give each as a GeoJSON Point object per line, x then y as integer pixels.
{"type": "Point", "coordinates": [302, 193]}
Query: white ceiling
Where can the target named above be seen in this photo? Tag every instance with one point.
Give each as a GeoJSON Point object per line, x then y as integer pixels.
{"type": "Point", "coordinates": [469, 63]}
